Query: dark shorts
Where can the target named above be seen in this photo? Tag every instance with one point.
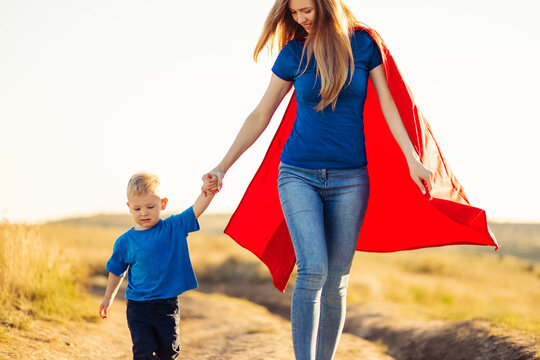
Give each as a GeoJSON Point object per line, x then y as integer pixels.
{"type": "Point", "coordinates": [154, 328]}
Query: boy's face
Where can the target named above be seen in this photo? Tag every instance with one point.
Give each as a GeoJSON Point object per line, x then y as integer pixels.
{"type": "Point", "coordinates": [145, 209]}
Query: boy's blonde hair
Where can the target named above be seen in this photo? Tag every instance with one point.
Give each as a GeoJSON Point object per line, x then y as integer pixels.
{"type": "Point", "coordinates": [143, 183]}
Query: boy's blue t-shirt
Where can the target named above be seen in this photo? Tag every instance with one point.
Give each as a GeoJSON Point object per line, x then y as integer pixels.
{"type": "Point", "coordinates": [327, 139]}
{"type": "Point", "coordinates": [157, 259]}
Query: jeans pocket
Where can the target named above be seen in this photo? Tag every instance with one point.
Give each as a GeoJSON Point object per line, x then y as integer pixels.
{"type": "Point", "coordinates": [289, 173]}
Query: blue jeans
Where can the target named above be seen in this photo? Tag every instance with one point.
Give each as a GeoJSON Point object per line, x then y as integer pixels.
{"type": "Point", "coordinates": [324, 210]}
{"type": "Point", "coordinates": [154, 328]}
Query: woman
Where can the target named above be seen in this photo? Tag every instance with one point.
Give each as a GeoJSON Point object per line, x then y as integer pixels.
{"type": "Point", "coordinates": [323, 183]}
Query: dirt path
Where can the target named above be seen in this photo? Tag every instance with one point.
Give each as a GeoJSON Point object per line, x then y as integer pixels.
{"type": "Point", "coordinates": [72, 341]}
{"type": "Point", "coordinates": [407, 337]}
{"type": "Point", "coordinates": [216, 327]}
{"type": "Point", "coordinates": [410, 338]}
{"type": "Point", "coordinates": [213, 327]}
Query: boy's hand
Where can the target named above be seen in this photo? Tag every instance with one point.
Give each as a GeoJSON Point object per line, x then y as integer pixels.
{"type": "Point", "coordinates": [208, 190]}
{"type": "Point", "coordinates": [113, 284]}
{"type": "Point", "coordinates": [104, 308]}
{"type": "Point", "coordinates": [210, 184]}
{"type": "Point", "coordinates": [216, 175]}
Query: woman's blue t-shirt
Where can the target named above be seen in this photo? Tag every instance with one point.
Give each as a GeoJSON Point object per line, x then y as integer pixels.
{"type": "Point", "coordinates": [327, 139]}
{"type": "Point", "coordinates": [156, 259]}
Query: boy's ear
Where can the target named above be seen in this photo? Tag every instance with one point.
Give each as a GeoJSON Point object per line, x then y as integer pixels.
{"type": "Point", "coordinates": [164, 202]}
{"type": "Point", "coordinates": [128, 205]}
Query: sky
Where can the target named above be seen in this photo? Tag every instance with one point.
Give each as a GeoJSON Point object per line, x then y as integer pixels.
{"type": "Point", "coordinates": [92, 91]}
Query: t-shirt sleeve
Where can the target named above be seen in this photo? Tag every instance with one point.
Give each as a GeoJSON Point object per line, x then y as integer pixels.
{"type": "Point", "coordinates": [375, 59]}
{"type": "Point", "coordinates": [186, 221]}
{"type": "Point", "coordinates": [283, 65]}
{"type": "Point", "coordinates": [118, 264]}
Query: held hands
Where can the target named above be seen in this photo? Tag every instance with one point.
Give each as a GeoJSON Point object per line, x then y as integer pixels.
{"type": "Point", "coordinates": [421, 175]}
{"type": "Point", "coordinates": [212, 181]}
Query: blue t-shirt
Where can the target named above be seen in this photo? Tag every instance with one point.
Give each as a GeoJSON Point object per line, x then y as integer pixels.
{"type": "Point", "coordinates": [327, 139]}
{"type": "Point", "coordinates": [157, 259]}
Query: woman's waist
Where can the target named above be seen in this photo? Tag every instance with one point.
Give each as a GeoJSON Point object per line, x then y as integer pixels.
{"type": "Point", "coordinates": [324, 164]}
{"type": "Point", "coordinates": [324, 155]}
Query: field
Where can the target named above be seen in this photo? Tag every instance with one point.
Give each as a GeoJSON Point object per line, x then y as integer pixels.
{"type": "Point", "coordinates": [451, 283]}
{"type": "Point", "coordinates": [46, 271]}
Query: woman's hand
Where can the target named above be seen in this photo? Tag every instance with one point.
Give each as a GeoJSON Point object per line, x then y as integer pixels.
{"type": "Point", "coordinates": [421, 175]}
{"type": "Point", "coordinates": [209, 185]}
{"type": "Point", "coordinates": [213, 180]}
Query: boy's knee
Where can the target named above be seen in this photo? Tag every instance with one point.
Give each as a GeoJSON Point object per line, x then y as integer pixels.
{"type": "Point", "coordinates": [169, 347]}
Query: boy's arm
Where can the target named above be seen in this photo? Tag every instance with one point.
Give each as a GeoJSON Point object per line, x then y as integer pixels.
{"type": "Point", "coordinates": [113, 284]}
{"type": "Point", "coordinates": [202, 203]}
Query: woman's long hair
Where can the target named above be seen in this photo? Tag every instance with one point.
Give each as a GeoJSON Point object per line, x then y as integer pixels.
{"type": "Point", "coordinates": [329, 41]}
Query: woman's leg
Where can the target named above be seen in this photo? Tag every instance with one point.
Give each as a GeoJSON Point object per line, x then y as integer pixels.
{"type": "Point", "coordinates": [303, 210]}
{"type": "Point", "coordinates": [345, 203]}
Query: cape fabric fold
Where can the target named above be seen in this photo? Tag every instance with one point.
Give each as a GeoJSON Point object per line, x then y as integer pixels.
{"type": "Point", "coordinates": [398, 216]}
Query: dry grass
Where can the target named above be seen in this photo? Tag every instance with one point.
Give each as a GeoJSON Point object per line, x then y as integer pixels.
{"type": "Point", "coordinates": [38, 277]}
{"type": "Point", "coordinates": [89, 246]}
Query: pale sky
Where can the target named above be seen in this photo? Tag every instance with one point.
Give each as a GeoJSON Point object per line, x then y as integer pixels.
{"type": "Point", "coordinates": [93, 91]}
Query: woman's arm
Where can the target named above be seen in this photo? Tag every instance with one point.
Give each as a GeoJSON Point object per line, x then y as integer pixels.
{"type": "Point", "coordinates": [253, 126]}
{"type": "Point", "coordinates": [420, 174]}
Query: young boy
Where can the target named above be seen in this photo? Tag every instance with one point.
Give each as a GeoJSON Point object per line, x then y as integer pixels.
{"type": "Point", "coordinates": [155, 255]}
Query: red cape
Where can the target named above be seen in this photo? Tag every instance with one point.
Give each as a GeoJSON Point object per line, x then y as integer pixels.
{"type": "Point", "coordinates": [398, 216]}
